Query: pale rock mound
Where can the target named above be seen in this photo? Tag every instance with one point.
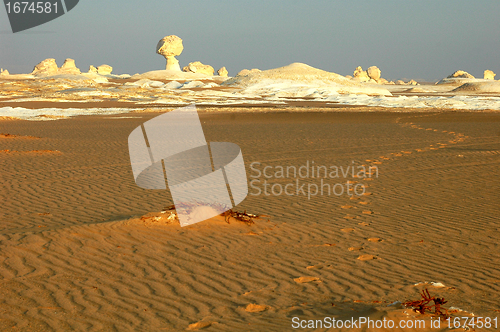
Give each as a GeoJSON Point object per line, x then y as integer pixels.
{"type": "Point", "coordinates": [413, 82]}
{"type": "Point", "coordinates": [170, 47]}
{"type": "Point", "coordinates": [373, 72]}
{"type": "Point", "coordinates": [4, 72]}
{"type": "Point", "coordinates": [222, 72]}
{"type": "Point", "coordinates": [104, 70]}
{"type": "Point", "coordinates": [200, 68]}
{"type": "Point", "coordinates": [92, 70]}
{"type": "Point", "coordinates": [360, 75]}
{"type": "Point", "coordinates": [45, 68]}
{"type": "Point", "coordinates": [348, 76]}
{"type": "Point", "coordinates": [245, 72]}
{"type": "Point", "coordinates": [69, 67]}
{"type": "Point", "coordinates": [489, 75]}
{"type": "Point", "coordinates": [460, 74]}
{"type": "Point", "coordinates": [299, 79]}
{"type": "Point", "coordinates": [479, 87]}
{"type": "Point", "coordinates": [400, 82]}
{"type": "Point", "coordinates": [458, 78]}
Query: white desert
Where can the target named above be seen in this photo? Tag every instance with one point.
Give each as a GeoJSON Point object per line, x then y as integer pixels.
{"type": "Point", "coordinates": [412, 238]}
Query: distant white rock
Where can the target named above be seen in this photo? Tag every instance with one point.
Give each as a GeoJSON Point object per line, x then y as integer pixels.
{"type": "Point", "coordinates": [104, 70]}
{"type": "Point", "coordinates": [69, 67]}
{"type": "Point", "coordinates": [199, 68]}
{"type": "Point", "coordinates": [245, 72]}
{"type": "Point", "coordinates": [479, 87]}
{"type": "Point", "coordinates": [4, 72]}
{"type": "Point", "coordinates": [172, 85]}
{"type": "Point", "coordinates": [193, 84]}
{"type": "Point", "coordinates": [222, 72]}
{"type": "Point", "coordinates": [413, 82]}
{"type": "Point", "coordinates": [460, 74]}
{"type": "Point", "coordinates": [373, 72]}
{"type": "Point", "coordinates": [175, 75]}
{"type": "Point", "coordinates": [300, 80]}
{"type": "Point", "coordinates": [146, 83]}
{"type": "Point", "coordinates": [489, 75]}
{"type": "Point", "coordinates": [360, 75]}
{"type": "Point", "coordinates": [92, 70]}
{"type": "Point", "coordinates": [170, 47]}
{"type": "Point", "coordinates": [46, 67]}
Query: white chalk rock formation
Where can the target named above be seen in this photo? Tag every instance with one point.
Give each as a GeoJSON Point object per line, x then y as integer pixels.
{"type": "Point", "coordinates": [46, 67]}
{"type": "Point", "coordinates": [92, 70]}
{"type": "Point", "coordinates": [69, 67]}
{"type": "Point", "coordinates": [460, 74]}
{"type": "Point", "coordinates": [4, 72]}
{"type": "Point", "coordinates": [413, 82]}
{"type": "Point", "coordinates": [400, 82]}
{"type": "Point", "coordinates": [170, 47]}
{"type": "Point", "coordinates": [348, 76]}
{"type": "Point", "coordinates": [360, 75]}
{"type": "Point", "coordinates": [489, 75]}
{"type": "Point", "coordinates": [104, 70]}
{"type": "Point", "coordinates": [373, 72]}
{"type": "Point", "coordinates": [479, 87]}
{"type": "Point", "coordinates": [222, 72]}
{"type": "Point", "coordinates": [246, 72]}
{"type": "Point", "coordinates": [200, 68]}
{"type": "Point", "coordinates": [299, 80]}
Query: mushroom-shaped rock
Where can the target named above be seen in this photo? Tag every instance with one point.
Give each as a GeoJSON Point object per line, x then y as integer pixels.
{"type": "Point", "coordinates": [489, 75]}
{"type": "Point", "coordinates": [222, 72]}
{"type": "Point", "coordinates": [373, 72]}
{"type": "Point", "coordinates": [360, 75]}
{"type": "Point", "coordinates": [460, 74]}
{"type": "Point", "coordinates": [4, 72]}
{"type": "Point", "coordinates": [92, 70]}
{"type": "Point", "coordinates": [200, 68]}
{"type": "Point", "coordinates": [170, 47]}
{"type": "Point", "coordinates": [46, 67]}
{"type": "Point", "coordinates": [69, 67]}
{"type": "Point", "coordinates": [104, 70]}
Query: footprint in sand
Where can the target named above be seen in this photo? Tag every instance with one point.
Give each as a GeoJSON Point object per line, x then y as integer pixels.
{"type": "Point", "coordinates": [374, 239]}
{"type": "Point", "coordinates": [366, 257]}
{"type": "Point", "coordinates": [256, 308]}
{"type": "Point", "coordinates": [355, 248]}
{"type": "Point", "coordinates": [199, 325]}
{"type": "Point", "coordinates": [302, 280]}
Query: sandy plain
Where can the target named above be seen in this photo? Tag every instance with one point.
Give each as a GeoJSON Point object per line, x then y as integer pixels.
{"type": "Point", "coordinates": [76, 255]}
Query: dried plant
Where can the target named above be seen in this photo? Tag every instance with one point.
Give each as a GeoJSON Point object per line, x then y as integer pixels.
{"type": "Point", "coordinates": [424, 305]}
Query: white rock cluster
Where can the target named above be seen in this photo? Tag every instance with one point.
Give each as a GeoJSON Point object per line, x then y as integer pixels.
{"type": "Point", "coordinates": [48, 67]}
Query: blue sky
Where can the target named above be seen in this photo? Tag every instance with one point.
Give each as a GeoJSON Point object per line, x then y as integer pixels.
{"type": "Point", "coordinates": [405, 39]}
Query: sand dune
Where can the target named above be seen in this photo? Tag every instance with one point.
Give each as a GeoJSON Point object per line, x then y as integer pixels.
{"type": "Point", "coordinates": [76, 255]}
